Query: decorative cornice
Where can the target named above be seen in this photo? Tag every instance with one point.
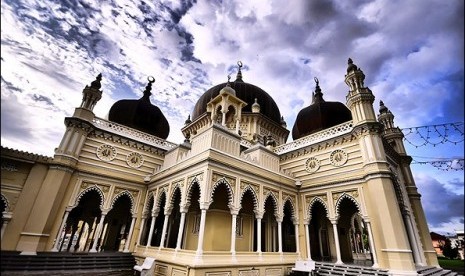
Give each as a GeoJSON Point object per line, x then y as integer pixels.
{"type": "Point", "coordinates": [24, 156]}
{"type": "Point", "coordinates": [136, 135]}
{"type": "Point", "coordinates": [315, 138]}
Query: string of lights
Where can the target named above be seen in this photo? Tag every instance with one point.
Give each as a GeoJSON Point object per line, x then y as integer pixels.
{"type": "Point", "coordinates": [434, 134]}
{"type": "Point", "coordinates": [444, 164]}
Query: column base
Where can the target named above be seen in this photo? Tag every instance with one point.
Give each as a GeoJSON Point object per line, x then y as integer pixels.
{"type": "Point", "coordinates": [32, 253]}
{"type": "Point", "coordinates": [339, 263]}
{"type": "Point", "coordinates": [93, 251]}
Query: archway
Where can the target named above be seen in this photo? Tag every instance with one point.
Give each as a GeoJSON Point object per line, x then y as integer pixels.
{"type": "Point", "coordinates": [246, 234]}
{"type": "Point", "coordinates": [218, 222]}
{"type": "Point", "coordinates": [174, 220]}
{"type": "Point", "coordinates": [117, 224]}
{"type": "Point", "coordinates": [270, 226]}
{"type": "Point", "coordinates": [288, 229]}
{"type": "Point", "coordinates": [148, 221]}
{"type": "Point", "coordinates": [159, 221]}
{"type": "Point", "coordinates": [353, 236]}
{"type": "Point", "coordinates": [192, 226]}
{"type": "Point", "coordinates": [81, 225]}
{"type": "Point", "coordinates": [319, 229]}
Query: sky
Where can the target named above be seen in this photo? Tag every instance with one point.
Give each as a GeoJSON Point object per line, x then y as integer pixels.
{"type": "Point", "coordinates": [411, 51]}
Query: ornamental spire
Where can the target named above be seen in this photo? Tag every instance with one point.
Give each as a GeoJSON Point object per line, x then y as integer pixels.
{"type": "Point", "coordinates": [96, 83]}
{"type": "Point", "coordinates": [317, 96]}
{"type": "Point", "coordinates": [148, 88]}
{"type": "Point", "coordinates": [239, 72]}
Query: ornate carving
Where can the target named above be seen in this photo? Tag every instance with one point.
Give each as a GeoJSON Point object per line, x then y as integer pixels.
{"type": "Point", "coordinates": [106, 152]}
{"type": "Point", "coordinates": [312, 165]}
{"type": "Point", "coordinates": [132, 134]}
{"type": "Point", "coordinates": [7, 166]}
{"type": "Point", "coordinates": [315, 138]}
{"type": "Point", "coordinates": [338, 157]}
{"type": "Point", "coordinates": [134, 159]}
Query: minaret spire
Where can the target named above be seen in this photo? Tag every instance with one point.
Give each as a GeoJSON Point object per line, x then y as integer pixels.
{"type": "Point", "coordinates": [148, 88]}
{"type": "Point", "coordinates": [317, 96]}
{"type": "Point", "coordinates": [239, 72]}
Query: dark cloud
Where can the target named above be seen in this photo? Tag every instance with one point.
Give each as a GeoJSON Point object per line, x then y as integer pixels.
{"type": "Point", "coordinates": [15, 125]}
{"type": "Point", "coordinates": [440, 204]}
{"type": "Point", "coordinates": [41, 98]}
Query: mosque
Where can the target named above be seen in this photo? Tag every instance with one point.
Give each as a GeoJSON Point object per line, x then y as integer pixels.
{"type": "Point", "coordinates": [235, 198]}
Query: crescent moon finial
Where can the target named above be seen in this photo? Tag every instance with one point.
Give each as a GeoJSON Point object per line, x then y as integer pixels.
{"type": "Point", "coordinates": [239, 63]}
{"type": "Point", "coordinates": [151, 79]}
{"type": "Point", "coordinates": [316, 81]}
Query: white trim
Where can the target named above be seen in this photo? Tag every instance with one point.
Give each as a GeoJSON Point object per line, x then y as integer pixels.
{"type": "Point", "coordinates": [396, 250]}
{"type": "Point", "coordinates": [34, 234]}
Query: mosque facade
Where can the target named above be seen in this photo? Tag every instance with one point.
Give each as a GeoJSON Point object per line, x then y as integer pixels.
{"type": "Point", "coordinates": [234, 198]}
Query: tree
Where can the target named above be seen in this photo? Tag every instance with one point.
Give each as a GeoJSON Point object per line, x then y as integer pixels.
{"type": "Point", "coordinates": [447, 250]}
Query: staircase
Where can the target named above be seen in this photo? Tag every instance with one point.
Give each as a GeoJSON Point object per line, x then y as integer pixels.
{"type": "Point", "coordinates": [56, 263]}
{"type": "Point", "coordinates": [434, 271]}
{"type": "Point", "coordinates": [346, 270]}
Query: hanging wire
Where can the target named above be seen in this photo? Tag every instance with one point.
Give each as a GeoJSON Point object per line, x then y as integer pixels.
{"type": "Point", "coordinates": [434, 134]}
{"type": "Point", "coordinates": [443, 164]}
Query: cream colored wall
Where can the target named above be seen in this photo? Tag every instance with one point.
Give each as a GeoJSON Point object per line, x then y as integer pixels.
{"type": "Point", "coordinates": [217, 231]}
{"type": "Point", "coordinates": [20, 188]}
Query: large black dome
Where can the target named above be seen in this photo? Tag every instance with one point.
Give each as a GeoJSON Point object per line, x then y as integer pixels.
{"type": "Point", "coordinates": [141, 115]}
{"type": "Point", "coordinates": [246, 92]}
{"type": "Point", "coordinates": [319, 115]}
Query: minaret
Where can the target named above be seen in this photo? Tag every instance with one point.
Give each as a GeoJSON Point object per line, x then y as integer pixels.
{"type": "Point", "coordinates": [394, 137]}
{"type": "Point", "coordinates": [360, 98]}
{"type": "Point", "coordinates": [391, 133]}
{"type": "Point", "coordinates": [90, 96]}
{"type": "Point", "coordinates": [38, 228]}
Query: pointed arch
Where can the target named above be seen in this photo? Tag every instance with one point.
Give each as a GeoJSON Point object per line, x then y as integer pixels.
{"type": "Point", "coordinates": [274, 199]}
{"type": "Point", "coordinates": [150, 197]}
{"type": "Point", "coordinates": [310, 206]}
{"type": "Point", "coordinates": [254, 196]}
{"type": "Point", "coordinates": [170, 202]}
{"type": "Point", "coordinates": [159, 198]}
{"type": "Point", "coordinates": [190, 186]}
{"type": "Point", "coordinates": [291, 202]}
{"type": "Point", "coordinates": [88, 189]}
{"type": "Point", "coordinates": [128, 194]}
{"type": "Point", "coordinates": [349, 197]}
{"type": "Point", "coordinates": [228, 187]}
{"type": "Point", "coordinates": [7, 203]}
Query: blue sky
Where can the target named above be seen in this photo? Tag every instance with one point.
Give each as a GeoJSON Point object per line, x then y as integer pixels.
{"type": "Point", "coordinates": [412, 53]}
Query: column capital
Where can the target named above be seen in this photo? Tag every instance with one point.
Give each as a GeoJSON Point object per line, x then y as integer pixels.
{"type": "Point", "coordinates": [333, 220]}
{"type": "Point", "coordinates": [204, 205]}
{"type": "Point", "coordinates": [259, 214]}
{"type": "Point", "coordinates": [234, 211]}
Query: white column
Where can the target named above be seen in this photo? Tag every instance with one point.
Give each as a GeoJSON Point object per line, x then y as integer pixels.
{"type": "Point", "coordinates": [223, 118]}
{"type": "Point", "coordinates": [238, 125]}
{"type": "Point", "coordinates": [372, 244]}
{"type": "Point", "coordinates": [60, 230]}
{"type": "Point", "coordinates": [307, 242]}
{"type": "Point", "coordinates": [152, 225]}
{"type": "Point", "coordinates": [233, 231]}
{"type": "Point", "coordinates": [297, 246]}
{"type": "Point", "coordinates": [129, 237]}
{"type": "Point", "coordinates": [336, 241]}
{"type": "Point", "coordinates": [280, 236]}
{"type": "Point", "coordinates": [99, 228]}
{"type": "Point", "coordinates": [413, 241]}
{"type": "Point", "coordinates": [201, 231]}
{"type": "Point", "coordinates": [181, 229]}
{"type": "Point", "coordinates": [6, 218]}
{"type": "Point", "coordinates": [163, 233]}
{"type": "Point", "coordinates": [142, 226]}
{"type": "Point", "coordinates": [259, 235]}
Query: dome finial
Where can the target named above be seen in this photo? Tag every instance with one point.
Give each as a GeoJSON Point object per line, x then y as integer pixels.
{"type": "Point", "coordinates": [148, 88]}
{"type": "Point", "coordinates": [229, 78]}
{"type": "Point", "coordinates": [239, 72]}
{"type": "Point", "coordinates": [317, 96]}
{"type": "Point", "coordinates": [382, 107]}
{"type": "Point", "coordinates": [96, 83]}
{"type": "Point", "coordinates": [188, 121]}
{"type": "Point", "coordinates": [351, 66]}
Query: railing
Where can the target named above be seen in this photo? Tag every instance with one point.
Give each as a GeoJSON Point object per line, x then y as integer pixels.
{"type": "Point", "coordinates": [315, 138]}
{"type": "Point", "coordinates": [133, 134]}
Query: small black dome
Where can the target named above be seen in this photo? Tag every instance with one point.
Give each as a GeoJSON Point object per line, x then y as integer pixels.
{"type": "Point", "coordinates": [319, 115]}
{"type": "Point", "coordinates": [141, 115]}
{"type": "Point", "coordinates": [246, 92]}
